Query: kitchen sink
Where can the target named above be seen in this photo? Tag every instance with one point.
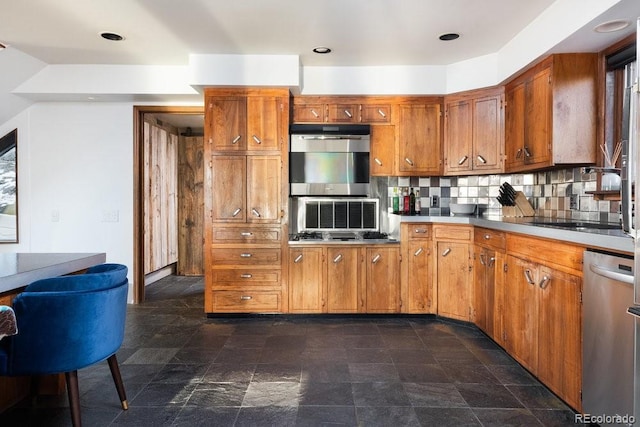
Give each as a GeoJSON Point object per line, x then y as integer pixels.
{"type": "Point", "coordinates": [577, 225]}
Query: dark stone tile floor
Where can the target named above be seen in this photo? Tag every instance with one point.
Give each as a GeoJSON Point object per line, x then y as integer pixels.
{"type": "Point", "coordinates": [181, 368]}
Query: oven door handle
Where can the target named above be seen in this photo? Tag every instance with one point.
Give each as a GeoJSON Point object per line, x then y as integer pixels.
{"type": "Point", "coordinates": [612, 274]}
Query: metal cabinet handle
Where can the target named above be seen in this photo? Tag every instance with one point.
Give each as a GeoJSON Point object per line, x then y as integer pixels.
{"type": "Point", "coordinates": [418, 252]}
{"type": "Point", "coordinates": [481, 159]}
{"type": "Point", "coordinates": [527, 275]}
{"type": "Point", "coordinates": [298, 259]}
{"type": "Point", "coordinates": [337, 259]}
{"type": "Point", "coordinates": [462, 160]}
{"type": "Point", "coordinates": [236, 139]}
{"type": "Point", "coordinates": [492, 260]}
{"type": "Point", "coordinates": [487, 236]}
{"type": "Point", "coordinates": [348, 113]}
{"type": "Point", "coordinates": [236, 212]}
{"type": "Point", "coordinates": [381, 113]}
{"type": "Point", "coordinates": [519, 153]}
{"type": "Point", "coordinates": [482, 261]}
{"type": "Point", "coordinates": [527, 153]}
{"type": "Point", "coordinates": [245, 298]}
{"type": "Point", "coordinates": [420, 230]}
{"type": "Point", "coordinates": [255, 212]}
{"type": "Point", "coordinates": [246, 234]}
{"type": "Point", "coordinates": [316, 115]}
{"type": "Point", "coordinates": [408, 160]}
{"type": "Point", "coordinates": [544, 282]}
{"type": "Point", "coordinates": [376, 258]}
{"type": "Point", "coordinates": [246, 276]}
{"type": "Point", "coordinates": [446, 252]}
{"type": "Point", "coordinates": [377, 161]}
{"type": "Point", "coordinates": [245, 255]}
{"type": "Point", "coordinates": [256, 139]}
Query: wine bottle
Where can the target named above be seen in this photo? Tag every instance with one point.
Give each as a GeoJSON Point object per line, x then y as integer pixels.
{"type": "Point", "coordinates": [405, 204]}
{"type": "Point", "coordinates": [417, 204]}
{"type": "Point", "coordinates": [396, 201]}
{"type": "Point", "coordinates": [412, 202]}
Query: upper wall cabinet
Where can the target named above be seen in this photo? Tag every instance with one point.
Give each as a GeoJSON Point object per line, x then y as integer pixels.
{"type": "Point", "coordinates": [551, 114]}
{"type": "Point", "coordinates": [316, 109]}
{"type": "Point", "coordinates": [474, 132]}
{"type": "Point", "coordinates": [419, 139]}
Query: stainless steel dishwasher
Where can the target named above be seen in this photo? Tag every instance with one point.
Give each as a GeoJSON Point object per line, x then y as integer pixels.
{"type": "Point", "coordinates": [608, 335]}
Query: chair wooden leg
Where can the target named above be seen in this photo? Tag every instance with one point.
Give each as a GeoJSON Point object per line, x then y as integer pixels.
{"type": "Point", "coordinates": [117, 379]}
{"type": "Point", "coordinates": [74, 397]}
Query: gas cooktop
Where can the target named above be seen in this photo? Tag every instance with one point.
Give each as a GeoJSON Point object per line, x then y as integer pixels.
{"type": "Point", "coordinates": [339, 236]}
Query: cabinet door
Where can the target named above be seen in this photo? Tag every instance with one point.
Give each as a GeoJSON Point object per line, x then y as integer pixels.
{"type": "Point", "coordinates": [263, 188]}
{"type": "Point", "coordinates": [458, 137]}
{"type": "Point", "coordinates": [309, 113]}
{"type": "Point", "coordinates": [383, 150]}
{"type": "Point", "coordinates": [514, 127]}
{"type": "Point", "coordinates": [454, 279]}
{"type": "Point", "coordinates": [559, 337]}
{"type": "Point", "coordinates": [344, 113]}
{"type": "Point", "coordinates": [480, 288]}
{"type": "Point", "coordinates": [229, 173]}
{"type": "Point", "coordinates": [521, 311]}
{"type": "Point", "coordinates": [263, 123]}
{"type": "Point", "coordinates": [419, 144]}
{"type": "Point", "coordinates": [375, 113]}
{"type": "Point", "coordinates": [227, 123]}
{"type": "Point", "coordinates": [343, 280]}
{"type": "Point", "coordinates": [419, 278]}
{"type": "Point", "coordinates": [537, 149]}
{"type": "Point", "coordinates": [306, 293]}
{"type": "Point", "coordinates": [383, 280]}
{"type": "Point", "coordinates": [487, 134]}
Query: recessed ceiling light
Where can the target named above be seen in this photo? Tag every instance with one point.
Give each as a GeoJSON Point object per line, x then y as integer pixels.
{"type": "Point", "coordinates": [611, 26]}
{"type": "Point", "coordinates": [449, 36]}
{"type": "Point", "coordinates": [112, 36]}
{"type": "Point", "coordinates": [322, 50]}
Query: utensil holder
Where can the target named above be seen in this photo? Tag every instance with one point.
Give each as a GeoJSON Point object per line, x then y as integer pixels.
{"type": "Point", "coordinates": [522, 207]}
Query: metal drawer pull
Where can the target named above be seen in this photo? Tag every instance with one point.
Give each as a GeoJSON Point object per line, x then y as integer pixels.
{"type": "Point", "coordinates": [246, 276]}
{"type": "Point", "coordinates": [527, 275]}
{"type": "Point", "coordinates": [236, 139]}
{"type": "Point", "coordinates": [408, 160]}
{"type": "Point", "coordinates": [462, 160]}
{"type": "Point", "coordinates": [246, 234]}
{"type": "Point", "coordinates": [487, 236]}
{"type": "Point", "coordinates": [377, 160]}
{"type": "Point", "coordinates": [527, 153]}
{"type": "Point", "coordinates": [492, 260]}
{"type": "Point", "coordinates": [245, 298]}
{"type": "Point", "coordinates": [338, 258]}
{"type": "Point", "coordinates": [544, 282]}
{"type": "Point", "coordinates": [314, 113]}
{"type": "Point", "coordinates": [381, 113]}
{"type": "Point", "coordinates": [376, 258]}
{"type": "Point", "coordinates": [482, 259]}
{"type": "Point", "coordinates": [446, 252]}
{"type": "Point", "coordinates": [236, 212]}
{"type": "Point", "coordinates": [347, 113]}
{"type": "Point", "coordinates": [481, 159]}
{"type": "Point", "coordinates": [519, 153]}
{"type": "Point", "coordinates": [420, 230]}
{"type": "Point", "coordinates": [255, 212]}
{"type": "Point", "coordinates": [256, 139]}
{"type": "Point", "coordinates": [298, 259]}
{"type": "Point", "coordinates": [245, 255]}
{"type": "Point", "coordinates": [418, 252]}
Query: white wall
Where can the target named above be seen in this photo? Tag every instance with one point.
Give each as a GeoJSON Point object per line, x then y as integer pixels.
{"type": "Point", "coordinates": [75, 160]}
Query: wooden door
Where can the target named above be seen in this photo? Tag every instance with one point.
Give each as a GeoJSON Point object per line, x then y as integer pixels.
{"type": "Point", "coordinates": [489, 258]}
{"type": "Point", "coordinates": [454, 279]}
{"type": "Point", "coordinates": [229, 178]}
{"type": "Point", "coordinates": [419, 144]}
{"type": "Point", "coordinates": [263, 123]}
{"type": "Point", "coordinates": [458, 137]}
{"type": "Point", "coordinates": [383, 279]}
{"type": "Point", "coordinates": [514, 127]}
{"type": "Point", "coordinates": [343, 280]}
{"type": "Point", "coordinates": [487, 134]}
{"type": "Point", "coordinates": [479, 288]}
{"type": "Point", "coordinates": [226, 120]}
{"type": "Point", "coordinates": [306, 292]}
{"type": "Point", "coordinates": [559, 334]}
{"type": "Point", "coordinates": [264, 189]}
{"type": "Point", "coordinates": [538, 119]}
{"type": "Point", "coordinates": [419, 298]}
{"type": "Point", "coordinates": [383, 150]}
{"type": "Point", "coordinates": [375, 113]}
{"type": "Point", "coordinates": [521, 311]}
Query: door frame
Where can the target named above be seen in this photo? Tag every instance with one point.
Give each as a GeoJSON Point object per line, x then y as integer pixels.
{"type": "Point", "coordinates": [138, 189]}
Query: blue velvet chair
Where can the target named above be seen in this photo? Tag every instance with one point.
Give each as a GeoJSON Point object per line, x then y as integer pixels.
{"type": "Point", "coordinates": [67, 323]}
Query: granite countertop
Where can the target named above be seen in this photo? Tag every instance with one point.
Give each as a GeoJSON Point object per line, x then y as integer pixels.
{"type": "Point", "coordinates": [19, 269]}
{"type": "Point", "coordinates": [614, 240]}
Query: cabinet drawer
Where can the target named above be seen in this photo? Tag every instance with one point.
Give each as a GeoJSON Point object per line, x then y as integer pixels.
{"type": "Point", "coordinates": [452, 232]}
{"type": "Point", "coordinates": [256, 277]}
{"type": "Point", "coordinates": [246, 256]}
{"type": "Point", "coordinates": [378, 113]}
{"type": "Point", "coordinates": [247, 235]}
{"type": "Point", "coordinates": [489, 238]}
{"type": "Point", "coordinates": [344, 113]}
{"type": "Point", "coordinates": [418, 231]}
{"type": "Point", "coordinates": [310, 113]}
{"type": "Point", "coordinates": [246, 301]}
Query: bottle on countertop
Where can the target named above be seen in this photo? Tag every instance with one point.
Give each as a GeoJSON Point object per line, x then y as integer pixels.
{"type": "Point", "coordinates": [417, 204]}
{"type": "Point", "coordinates": [412, 202]}
{"type": "Point", "coordinates": [405, 204]}
{"type": "Point", "coordinates": [396, 201]}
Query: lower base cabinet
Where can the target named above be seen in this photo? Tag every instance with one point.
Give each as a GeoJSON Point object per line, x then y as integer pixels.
{"type": "Point", "coordinates": [383, 280]}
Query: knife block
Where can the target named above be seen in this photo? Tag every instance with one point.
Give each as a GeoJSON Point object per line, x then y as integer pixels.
{"type": "Point", "coordinates": [522, 207]}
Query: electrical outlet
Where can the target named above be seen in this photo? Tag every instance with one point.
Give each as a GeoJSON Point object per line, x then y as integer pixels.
{"type": "Point", "coordinates": [435, 201]}
{"type": "Point", "coordinates": [573, 202]}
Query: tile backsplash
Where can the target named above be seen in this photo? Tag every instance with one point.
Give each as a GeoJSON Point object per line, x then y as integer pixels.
{"type": "Point", "coordinates": [548, 192]}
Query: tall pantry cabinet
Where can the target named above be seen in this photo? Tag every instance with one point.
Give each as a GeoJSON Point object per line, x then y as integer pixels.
{"type": "Point", "coordinates": [246, 168]}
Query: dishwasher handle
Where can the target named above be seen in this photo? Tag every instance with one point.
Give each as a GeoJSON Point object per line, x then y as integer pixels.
{"type": "Point", "coordinates": [612, 274]}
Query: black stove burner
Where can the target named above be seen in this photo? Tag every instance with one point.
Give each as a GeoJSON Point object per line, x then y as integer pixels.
{"type": "Point", "coordinates": [308, 235]}
{"type": "Point", "coordinates": [374, 235]}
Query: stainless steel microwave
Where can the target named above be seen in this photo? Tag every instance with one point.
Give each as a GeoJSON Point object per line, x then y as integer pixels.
{"type": "Point", "coordinates": [329, 160]}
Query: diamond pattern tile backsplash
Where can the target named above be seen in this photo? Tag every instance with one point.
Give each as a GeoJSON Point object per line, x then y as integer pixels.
{"type": "Point", "coordinates": [548, 192]}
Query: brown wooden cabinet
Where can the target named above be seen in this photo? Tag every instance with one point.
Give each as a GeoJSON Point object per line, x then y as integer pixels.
{"type": "Point", "coordinates": [417, 286]}
{"type": "Point", "coordinates": [344, 280]}
{"type": "Point", "coordinates": [382, 264]}
{"type": "Point", "coordinates": [341, 109]}
{"type": "Point", "coordinates": [307, 283]}
{"type": "Point", "coordinates": [382, 159]}
{"type": "Point", "coordinates": [551, 113]}
{"type": "Point", "coordinates": [473, 138]}
{"type": "Point", "coordinates": [419, 139]}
